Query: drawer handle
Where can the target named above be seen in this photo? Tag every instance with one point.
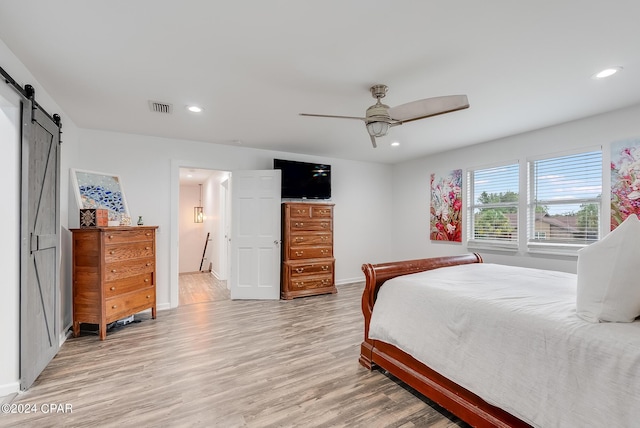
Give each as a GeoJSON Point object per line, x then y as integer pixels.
{"type": "Point", "coordinates": [325, 268]}
{"type": "Point", "coordinates": [113, 270]}
{"type": "Point", "coordinates": [299, 253]}
{"type": "Point", "coordinates": [299, 224]}
{"type": "Point", "coordinates": [148, 296]}
{"type": "Point", "coordinates": [112, 252]}
{"type": "Point", "coordinates": [301, 211]}
{"type": "Point", "coordinates": [146, 280]}
{"type": "Point", "coordinates": [147, 248]}
{"type": "Point", "coordinates": [324, 251]}
{"type": "Point", "coordinates": [148, 234]}
{"type": "Point", "coordinates": [148, 264]}
{"type": "Point", "coordinates": [299, 270]}
{"type": "Point", "coordinates": [110, 236]}
{"type": "Point", "coordinates": [325, 281]}
{"type": "Point", "coordinates": [113, 289]}
{"type": "Point", "coordinates": [114, 306]}
{"type": "Point", "coordinates": [325, 225]}
{"type": "Point", "coordinates": [299, 239]}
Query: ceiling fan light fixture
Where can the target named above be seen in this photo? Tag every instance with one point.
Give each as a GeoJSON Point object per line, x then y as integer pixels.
{"type": "Point", "coordinates": [377, 129]}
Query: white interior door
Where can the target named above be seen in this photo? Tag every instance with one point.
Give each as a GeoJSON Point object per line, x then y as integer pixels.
{"type": "Point", "coordinates": [255, 234]}
{"type": "Point", "coordinates": [224, 232]}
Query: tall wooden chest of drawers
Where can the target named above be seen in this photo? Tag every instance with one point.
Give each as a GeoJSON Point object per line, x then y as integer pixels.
{"type": "Point", "coordinates": [114, 274]}
{"type": "Point", "coordinates": [307, 250]}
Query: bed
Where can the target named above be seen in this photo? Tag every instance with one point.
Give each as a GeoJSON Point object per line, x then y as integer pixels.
{"type": "Point", "coordinates": [495, 354]}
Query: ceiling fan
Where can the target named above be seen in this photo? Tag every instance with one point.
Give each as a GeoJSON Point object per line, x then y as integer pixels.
{"type": "Point", "coordinates": [380, 117]}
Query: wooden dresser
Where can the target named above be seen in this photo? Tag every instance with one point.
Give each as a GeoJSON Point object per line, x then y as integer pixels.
{"type": "Point", "coordinates": [114, 274]}
{"type": "Point", "coordinates": [307, 250]}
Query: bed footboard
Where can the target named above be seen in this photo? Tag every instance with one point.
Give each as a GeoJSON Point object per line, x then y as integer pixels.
{"type": "Point", "coordinates": [374, 353]}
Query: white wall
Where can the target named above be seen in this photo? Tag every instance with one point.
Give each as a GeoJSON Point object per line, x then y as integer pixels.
{"type": "Point", "coordinates": [215, 200]}
{"type": "Point", "coordinates": [9, 224]}
{"type": "Point", "coordinates": [149, 169]}
{"type": "Point", "coordinates": [192, 235]}
{"type": "Point", "coordinates": [411, 182]}
{"type": "Point", "coordinates": [10, 244]}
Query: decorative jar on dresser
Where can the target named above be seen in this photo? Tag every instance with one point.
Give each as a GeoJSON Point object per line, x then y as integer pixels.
{"type": "Point", "coordinates": [307, 250]}
{"type": "Point", "coordinates": [114, 274]}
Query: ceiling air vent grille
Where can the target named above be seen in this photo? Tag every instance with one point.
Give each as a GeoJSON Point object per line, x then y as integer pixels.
{"type": "Point", "coordinates": [158, 107]}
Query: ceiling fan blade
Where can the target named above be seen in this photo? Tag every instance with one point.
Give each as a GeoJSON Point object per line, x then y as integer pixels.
{"type": "Point", "coordinates": [335, 117]}
{"type": "Point", "coordinates": [373, 141]}
{"type": "Point", "coordinates": [428, 107]}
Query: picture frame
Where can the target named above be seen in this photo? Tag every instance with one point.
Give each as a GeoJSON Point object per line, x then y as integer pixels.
{"type": "Point", "coordinates": [445, 209]}
{"type": "Point", "coordinates": [101, 190]}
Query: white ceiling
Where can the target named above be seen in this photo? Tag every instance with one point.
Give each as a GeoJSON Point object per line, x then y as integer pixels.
{"type": "Point", "coordinates": [254, 65]}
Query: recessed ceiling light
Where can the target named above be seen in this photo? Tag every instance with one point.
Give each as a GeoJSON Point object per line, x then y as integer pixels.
{"type": "Point", "coordinates": [195, 109]}
{"type": "Point", "coordinates": [395, 144]}
{"type": "Point", "coordinates": [607, 72]}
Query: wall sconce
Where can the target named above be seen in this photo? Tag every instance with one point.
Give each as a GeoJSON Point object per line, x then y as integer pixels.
{"type": "Point", "coordinates": [198, 214]}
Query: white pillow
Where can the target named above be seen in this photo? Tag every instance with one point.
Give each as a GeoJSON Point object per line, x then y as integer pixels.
{"type": "Point", "coordinates": [609, 276]}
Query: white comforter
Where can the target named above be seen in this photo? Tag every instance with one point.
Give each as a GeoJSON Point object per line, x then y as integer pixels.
{"type": "Point", "coordinates": [511, 335]}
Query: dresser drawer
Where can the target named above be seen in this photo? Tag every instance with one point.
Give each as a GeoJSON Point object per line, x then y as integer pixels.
{"type": "Point", "coordinates": [296, 270]}
{"type": "Point", "coordinates": [120, 236]}
{"type": "Point", "coordinates": [127, 285]}
{"type": "Point", "coordinates": [299, 211]}
{"type": "Point", "coordinates": [321, 212]}
{"type": "Point", "coordinates": [130, 303]}
{"type": "Point", "coordinates": [311, 224]}
{"type": "Point", "coordinates": [298, 253]}
{"type": "Point", "coordinates": [301, 238]}
{"type": "Point", "coordinates": [118, 270]}
{"type": "Point", "coordinates": [311, 282]}
{"type": "Point", "coordinates": [136, 250]}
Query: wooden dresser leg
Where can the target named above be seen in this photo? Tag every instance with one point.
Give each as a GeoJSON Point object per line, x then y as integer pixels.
{"type": "Point", "coordinates": [103, 331]}
{"type": "Point", "coordinates": [76, 329]}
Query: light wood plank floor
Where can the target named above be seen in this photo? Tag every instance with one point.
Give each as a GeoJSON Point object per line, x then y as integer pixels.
{"type": "Point", "coordinates": [227, 364]}
{"type": "Point", "coordinates": [200, 287]}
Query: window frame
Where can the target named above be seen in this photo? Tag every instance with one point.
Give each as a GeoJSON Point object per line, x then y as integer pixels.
{"type": "Point", "coordinates": [472, 205]}
{"type": "Point", "coordinates": [559, 248]}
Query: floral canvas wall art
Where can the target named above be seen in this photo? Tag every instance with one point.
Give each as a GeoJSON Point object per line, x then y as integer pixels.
{"type": "Point", "coordinates": [446, 207]}
{"type": "Point", "coordinates": [625, 180]}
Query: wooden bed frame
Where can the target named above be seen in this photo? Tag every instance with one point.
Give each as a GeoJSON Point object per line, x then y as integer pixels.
{"type": "Point", "coordinates": [375, 353]}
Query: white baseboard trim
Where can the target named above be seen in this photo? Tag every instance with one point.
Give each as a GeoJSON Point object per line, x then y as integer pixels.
{"type": "Point", "coordinates": [9, 388]}
{"type": "Point", "coordinates": [163, 306]}
{"type": "Point", "coordinates": [349, 280]}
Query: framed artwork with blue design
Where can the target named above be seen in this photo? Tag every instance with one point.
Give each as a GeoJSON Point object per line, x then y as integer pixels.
{"type": "Point", "coordinates": [101, 190]}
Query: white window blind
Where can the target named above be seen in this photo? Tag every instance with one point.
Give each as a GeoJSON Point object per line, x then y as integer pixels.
{"type": "Point", "coordinates": [565, 201]}
{"type": "Point", "coordinates": [493, 206]}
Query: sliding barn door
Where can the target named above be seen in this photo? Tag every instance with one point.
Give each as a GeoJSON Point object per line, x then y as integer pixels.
{"type": "Point", "coordinates": [40, 244]}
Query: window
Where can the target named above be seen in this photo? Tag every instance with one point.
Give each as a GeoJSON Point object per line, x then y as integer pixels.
{"type": "Point", "coordinates": [493, 206]}
{"type": "Point", "coordinates": [564, 207]}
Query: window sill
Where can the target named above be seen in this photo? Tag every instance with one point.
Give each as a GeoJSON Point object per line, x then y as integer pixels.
{"type": "Point", "coordinates": [493, 246]}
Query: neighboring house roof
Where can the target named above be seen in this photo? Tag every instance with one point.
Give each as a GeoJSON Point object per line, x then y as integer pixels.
{"type": "Point", "coordinates": [568, 223]}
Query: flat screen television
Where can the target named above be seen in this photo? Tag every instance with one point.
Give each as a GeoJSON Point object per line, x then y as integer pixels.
{"type": "Point", "coordinates": [303, 180]}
